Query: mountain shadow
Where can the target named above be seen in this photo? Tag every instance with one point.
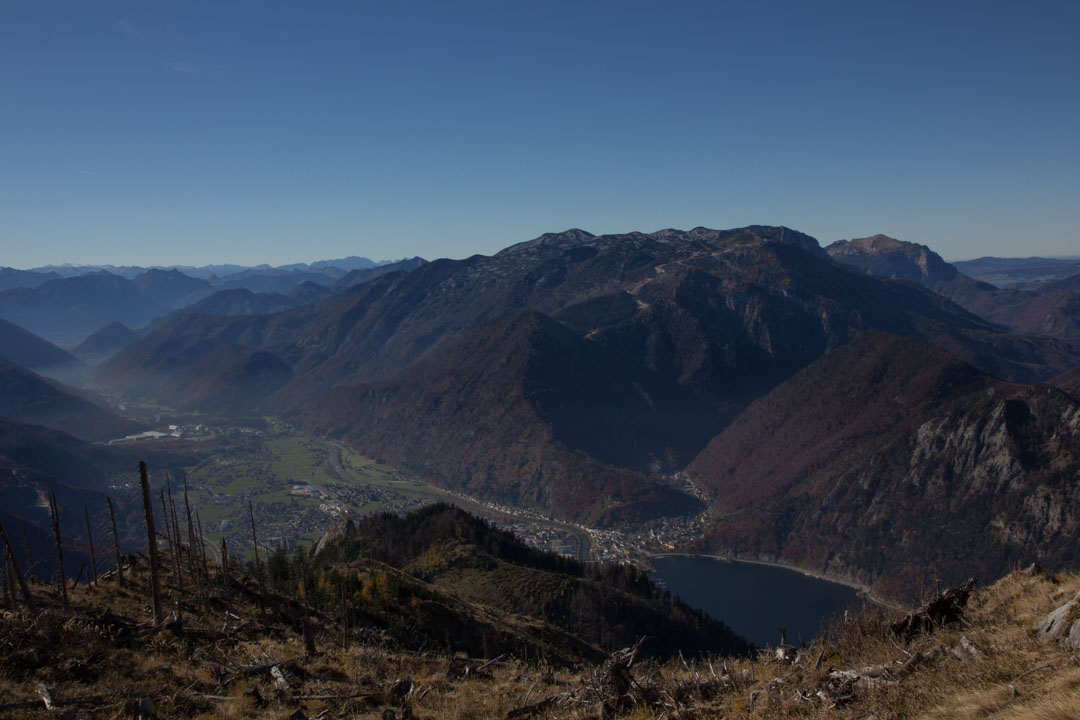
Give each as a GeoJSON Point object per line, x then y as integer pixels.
{"type": "Point", "coordinates": [525, 411]}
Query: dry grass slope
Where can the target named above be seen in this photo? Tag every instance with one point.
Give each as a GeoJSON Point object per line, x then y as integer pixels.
{"type": "Point", "coordinates": [220, 664]}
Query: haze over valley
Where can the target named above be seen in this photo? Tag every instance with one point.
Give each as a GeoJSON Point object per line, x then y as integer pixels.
{"type": "Point", "coordinates": [540, 360]}
{"type": "Point", "coordinates": [742, 392]}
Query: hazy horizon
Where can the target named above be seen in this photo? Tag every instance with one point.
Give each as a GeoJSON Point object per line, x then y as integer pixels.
{"type": "Point", "coordinates": [381, 261]}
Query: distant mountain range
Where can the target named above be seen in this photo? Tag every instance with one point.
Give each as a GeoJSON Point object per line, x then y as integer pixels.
{"type": "Point", "coordinates": [171, 288]}
{"type": "Point", "coordinates": [351, 262]}
{"type": "Point", "coordinates": [1021, 273]}
{"type": "Point", "coordinates": [568, 372]}
{"type": "Point", "coordinates": [12, 278]}
{"type": "Point", "coordinates": [864, 409]}
{"type": "Point", "coordinates": [67, 310]}
{"type": "Point", "coordinates": [1052, 311]}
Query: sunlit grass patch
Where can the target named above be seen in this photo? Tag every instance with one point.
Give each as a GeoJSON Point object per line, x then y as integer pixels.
{"type": "Point", "coordinates": [238, 484]}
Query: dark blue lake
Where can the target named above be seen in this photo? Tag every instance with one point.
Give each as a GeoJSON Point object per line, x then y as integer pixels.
{"type": "Point", "coordinates": [753, 599]}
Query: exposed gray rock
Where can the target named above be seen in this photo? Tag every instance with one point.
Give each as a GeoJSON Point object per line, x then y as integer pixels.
{"type": "Point", "coordinates": [341, 530]}
{"type": "Point", "coordinates": [967, 650]}
{"type": "Point", "coordinates": [1063, 625]}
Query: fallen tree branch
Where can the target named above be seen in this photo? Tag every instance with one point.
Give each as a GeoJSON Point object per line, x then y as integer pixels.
{"type": "Point", "coordinates": [489, 662]}
{"type": "Point", "coordinates": [536, 707]}
{"type": "Point", "coordinates": [353, 696]}
{"type": "Point", "coordinates": [175, 626]}
{"type": "Point", "coordinates": [1042, 667]}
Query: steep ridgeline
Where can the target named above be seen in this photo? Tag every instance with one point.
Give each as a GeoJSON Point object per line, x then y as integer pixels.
{"type": "Point", "coordinates": [105, 342]}
{"type": "Point", "coordinates": [679, 330]}
{"type": "Point", "coordinates": [171, 288]}
{"type": "Point", "coordinates": [359, 276]}
{"type": "Point", "coordinates": [888, 458]}
{"type": "Point", "coordinates": [278, 280]}
{"type": "Point", "coordinates": [31, 398]}
{"type": "Point", "coordinates": [309, 292]}
{"type": "Point", "coordinates": [1070, 284]}
{"type": "Point", "coordinates": [13, 278]}
{"type": "Point", "coordinates": [1054, 311]}
{"type": "Point", "coordinates": [27, 350]}
{"type": "Point", "coordinates": [469, 568]}
{"type": "Point", "coordinates": [1069, 381]}
{"type": "Point", "coordinates": [240, 301]}
{"type": "Point", "coordinates": [36, 461]}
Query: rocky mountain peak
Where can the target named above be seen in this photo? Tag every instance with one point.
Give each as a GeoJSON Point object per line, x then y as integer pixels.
{"type": "Point", "coordinates": [886, 257]}
{"type": "Point", "coordinates": [565, 239]}
{"type": "Point", "coordinates": [786, 236]}
{"type": "Point", "coordinates": [878, 243]}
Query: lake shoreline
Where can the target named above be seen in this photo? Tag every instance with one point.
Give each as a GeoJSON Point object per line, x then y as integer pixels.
{"type": "Point", "coordinates": [862, 589]}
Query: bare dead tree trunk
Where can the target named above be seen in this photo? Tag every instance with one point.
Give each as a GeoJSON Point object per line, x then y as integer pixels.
{"type": "Point", "coordinates": [309, 637]}
{"type": "Point", "coordinates": [90, 538]}
{"type": "Point", "coordinates": [258, 565]}
{"type": "Point", "coordinates": [344, 620]}
{"type": "Point", "coordinates": [193, 565]}
{"type": "Point", "coordinates": [202, 553]}
{"type": "Point", "coordinates": [59, 548]}
{"type": "Point", "coordinates": [225, 573]}
{"type": "Point", "coordinates": [170, 527]}
{"type": "Point", "coordinates": [78, 577]}
{"type": "Point", "coordinates": [151, 542]}
{"type": "Point", "coordinates": [11, 573]}
{"type": "Point", "coordinates": [173, 533]}
{"type": "Point", "coordinates": [116, 544]}
{"type": "Point", "coordinates": [29, 559]}
{"type": "Point", "coordinates": [165, 518]}
{"type": "Point", "coordinates": [9, 580]}
{"type": "Point", "coordinates": [225, 565]}
{"type": "Point", "coordinates": [178, 546]}
{"type": "Point", "coordinates": [165, 512]}
{"type": "Point", "coordinates": [10, 552]}
{"type": "Point", "coordinates": [172, 509]}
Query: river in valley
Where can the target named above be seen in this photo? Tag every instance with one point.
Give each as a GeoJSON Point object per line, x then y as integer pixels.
{"type": "Point", "coordinates": [753, 599]}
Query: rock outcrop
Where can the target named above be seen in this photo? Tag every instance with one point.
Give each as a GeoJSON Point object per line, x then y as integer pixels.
{"type": "Point", "coordinates": [1063, 625]}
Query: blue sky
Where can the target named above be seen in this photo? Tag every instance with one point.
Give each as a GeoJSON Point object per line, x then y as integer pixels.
{"type": "Point", "coordinates": [248, 132]}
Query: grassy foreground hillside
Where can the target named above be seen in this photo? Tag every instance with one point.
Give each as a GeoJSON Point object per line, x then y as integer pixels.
{"type": "Point", "coordinates": [226, 658]}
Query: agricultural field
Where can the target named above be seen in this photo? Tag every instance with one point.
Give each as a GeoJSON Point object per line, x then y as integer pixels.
{"type": "Point", "coordinates": [295, 487]}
